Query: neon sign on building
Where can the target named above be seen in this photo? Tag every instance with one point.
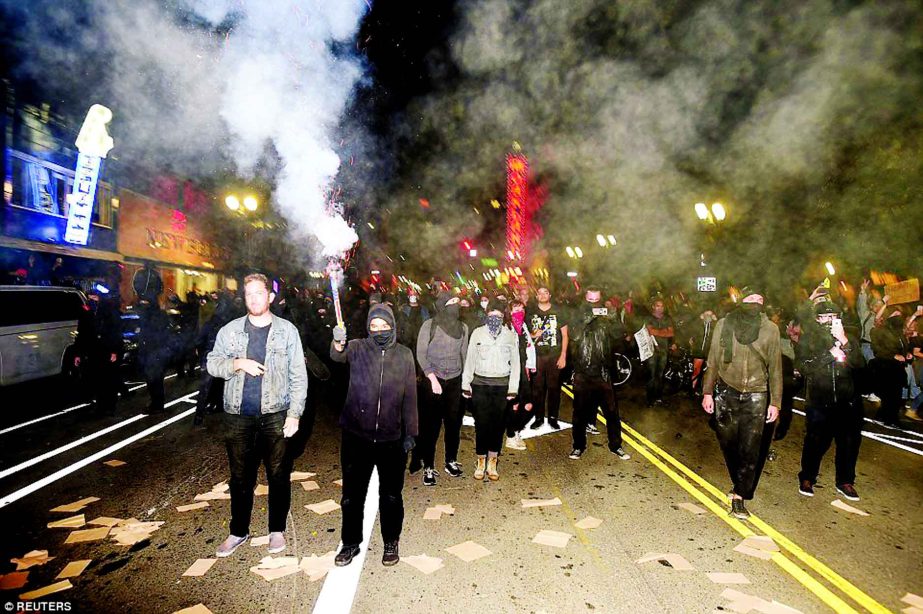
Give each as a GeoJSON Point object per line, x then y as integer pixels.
{"type": "Point", "coordinates": [93, 143]}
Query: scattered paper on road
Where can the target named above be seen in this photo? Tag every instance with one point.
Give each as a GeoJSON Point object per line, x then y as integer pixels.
{"type": "Point", "coordinates": [73, 569]}
{"type": "Point", "coordinates": [74, 522]}
{"type": "Point", "coordinates": [848, 508]}
{"type": "Point", "coordinates": [432, 513]}
{"type": "Point", "coordinates": [87, 535]}
{"type": "Point", "coordinates": [31, 559]}
{"type": "Point", "coordinates": [115, 463]}
{"type": "Point", "coordinates": [324, 506]}
{"type": "Point", "coordinates": [261, 490]}
{"type": "Point", "coordinates": [338, 482]}
{"type": "Point", "coordinates": [221, 487]}
{"type": "Point", "coordinates": [297, 476]}
{"type": "Point", "coordinates": [196, 609]}
{"type": "Point", "coordinates": [199, 568]}
{"type": "Point", "coordinates": [57, 587]}
{"type": "Point", "coordinates": [270, 568]}
{"type": "Point", "coordinates": [13, 580]}
{"type": "Point", "coordinates": [105, 521]}
{"type": "Point", "coordinates": [913, 600]}
{"type": "Point", "coordinates": [720, 577]}
{"type": "Point", "coordinates": [759, 554]}
{"type": "Point", "coordinates": [540, 502]}
{"type": "Point", "coordinates": [445, 508]}
{"type": "Point", "coordinates": [589, 523]}
{"type": "Point", "coordinates": [132, 531]}
{"type": "Point", "coordinates": [76, 506]}
{"type": "Point", "coordinates": [761, 542]}
{"type": "Point", "coordinates": [260, 541]}
{"type": "Point", "coordinates": [469, 551]}
{"type": "Point", "coordinates": [212, 495]}
{"type": "Point", "coordinates": [310, 485]}
{"type": "Point", "coordinates": [316, 567]}
{"type": "Point", "coordinates": [692, 507]}
{"type": "Point", "coordinates": [912, 610]}
{"type": "Point", "coordinates": [556, 539]}
{"type": "Point", "coordinates": [676, 561]}
{"type": "Point", "coordinates": [193, 506]}
{"type": "Point", "coordinates": [424, 563]}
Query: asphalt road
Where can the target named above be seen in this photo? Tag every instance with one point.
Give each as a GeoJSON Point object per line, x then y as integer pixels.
{"type": "Point", "coordinates": [830, 559]}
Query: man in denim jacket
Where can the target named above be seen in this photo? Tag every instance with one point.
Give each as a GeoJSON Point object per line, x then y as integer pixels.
{"type": "Point", "coordinates": [266, 384]}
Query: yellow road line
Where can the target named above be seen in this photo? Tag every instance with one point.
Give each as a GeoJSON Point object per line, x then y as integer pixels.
{"type": "Point", "coordinates": [780, 559]}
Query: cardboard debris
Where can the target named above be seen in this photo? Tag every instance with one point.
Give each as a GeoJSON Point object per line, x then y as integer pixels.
{"type": "Point", "coordinates": [673, 560]}
{"type": "Point", "coordinates": [115, 463]}
{"type": "Point", "coordinates": [848, 508]}
{"type": "Point", "coordinates": [57, 587]}
{"type": "Point", "coordinates": [260, 541]}
{"type": "Point", "coordinates": [424, 563]}
{"type": "Point", "coordinates": [270, 568]}
{"type": "Point", "coordinates": [261, 490]}
{"type": "Point", "coordinates": [324, 506]}
{"type": "Point", "coordinates": [212, 495]}
{"type": "Point", "coordinates": [913, 600]}
{"type": "Point", "coordinates": [692, 507]}
{"type": "Point", "coordinates": [193, 506]}
{"type": "Point", "coordinates": [105, 521]}
{"type": "Point", "coordinates": [432, 513]}
{"type": "Point", "coordinates": [221, 487]}
{"type": "Point", "coordinates": [759, 554]}
{"type": "Point", "coordinates": [87, 535]}
{"type": "Point", "coordinates": [540, 502]}
{"type": "Point", "coordinates": [297, 476]}
{"type": "Point", "coordinates": [73, 569]}
{"type": "Point", "coordinates": [720, 577]}
{"type": "Point", "coordinates": [761, 542]}
{"type": "Point", "coordinates": [445, 508]}
{"type": "Point", "coordinates": [468, 551]}
{"type": "Point", "coordinates": [13, 580]}
{"type": "Point", "coordinates": [310, 485]}
{"type": "Point", "coordinates": [743, 602]}
{"type": "Point", "coordinates": [589, 523]}
{"type": "Point", "coordinates": [130, 532]}
{"type": "Point", "coordinates": [74, 522]}
{"type": "Point", "coordinates": [199, 568]}
{"type": "Point", "coordinates": [316, 567]}
{"type": "Point", "coordinates": [275, 562]}
{"type": "Point", "coordinates": [31, 559]}
{"type": "Point", "coordinates": [76, 506]}
{"type": "Point", "coordinates": [555, 539]}
{"type": "Point", "coordinates": [338, 482]}
{"type": "Point", "coordinates": [196, 609]}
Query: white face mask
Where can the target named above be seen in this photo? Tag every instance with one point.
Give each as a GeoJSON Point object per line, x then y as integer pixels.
{"type": "Point", "coordinates": [413, 300]}
{"type": "Point", "coordinates": [484, 304]}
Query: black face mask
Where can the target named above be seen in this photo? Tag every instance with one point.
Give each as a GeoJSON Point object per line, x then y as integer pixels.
{"type": "Point", "coordinates": [383, 337]}
{"type": "Point", "coordinates": [452, 311]}
{"type": "Point", "coordinates": [751, 308]}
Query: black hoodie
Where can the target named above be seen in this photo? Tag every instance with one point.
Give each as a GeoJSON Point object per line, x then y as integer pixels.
{"type": "Point", "coordinates": [381, 403]}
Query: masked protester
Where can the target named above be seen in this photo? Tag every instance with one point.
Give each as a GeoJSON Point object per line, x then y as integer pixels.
{"type": "Point", "coordinates": [828, 359]}
{"type": "Point", "coordinates": [596, 336]}
{"type": "Point", "coordinates": [490, 379]}
{"type": "Point", "coordinates": [519, 410]}
{"type": "Point", "coordinates": [442, 346]}
{"type": "Point", "coordinates": [744, 374]}
{"type": "Point", "coordinates": [548, 328]}
{"type": "Point", "coordinates": [379, 422]}
{"type": "Point", "coordinates": [892, 353]}
{"type": "Point", "coordinates": [413, 315]}
{"type": "Point", "coordinates": [99, 344]}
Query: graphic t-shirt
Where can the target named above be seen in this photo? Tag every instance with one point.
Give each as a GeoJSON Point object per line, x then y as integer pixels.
{"type": "Point", "coordinates": [256, 350]}
{"type": "Point", "coordinates": [549, 323]}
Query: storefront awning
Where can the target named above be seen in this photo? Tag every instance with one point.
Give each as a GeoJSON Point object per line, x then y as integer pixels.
{"type": "Point", "coordinates": [62, 250]}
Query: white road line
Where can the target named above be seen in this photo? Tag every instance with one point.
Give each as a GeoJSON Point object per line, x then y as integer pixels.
{"type": "Point", "coordinates": [57, 475]}
{"type": "Point", "coordinates": [60, 413]}
{"type": "Point", "coordinates": [881, 439]}
{"type": "Point", "coordinates": [341, 584]}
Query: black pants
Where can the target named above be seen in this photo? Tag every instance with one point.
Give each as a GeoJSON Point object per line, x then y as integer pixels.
{"type": "Point", "coordinates": [436, 410]}
{"type": "Point", "coordinates": [516, 420]}
{"type": "Point", "coordinates": [210, 392]}
{"type": "Point", "coordinates": [740, 423]}
{"type": "Point", "coordinates": [105, 382]}
{"type": "Point", "coordinates": [840, 422]}
{"type": "Point", "coordinates": [546, 381]}
{"type": "Point", "coordinates": [154, 372]}
{"type": "Point", "coordinates": [488, 405]}
{"type": "Point", "coordinates": [890, 378]}
{"type": "Point", "coordinates": [656, 365]}
{"type": "Point", "coordinates": [250, 440]}
{"type": "Point", "coordinates": [590, 394]}
{"type": "Point", "coordinates": [358, 457]}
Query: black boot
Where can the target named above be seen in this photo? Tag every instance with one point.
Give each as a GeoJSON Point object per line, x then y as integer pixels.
{"type": "Point", "coordinates": [391, 555]}
{"type": "Point", "coordinates": [346, 555]}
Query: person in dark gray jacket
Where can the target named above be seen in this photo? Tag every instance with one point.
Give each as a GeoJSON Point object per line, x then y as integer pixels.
{"type": "Point", "coordinates": [379, 423]}
{"type": "Point", "coordinates": [441, 349]}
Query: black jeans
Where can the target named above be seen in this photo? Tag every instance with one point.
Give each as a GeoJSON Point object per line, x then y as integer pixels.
{"type": "Point", "coordinates": [840, 422]}
{"type": "Point", "coordinates": [546, 381]}
{"type": "Point", "coordinates": [358, 457]}
{"type": "Point", "coordinates": [250, 440]}
{"type": "Point", "coordinates": [154, 372]}
{"type": "Point", "coordinates": [516, 420]}
{"type": "Point", "coordinates": [744, 436]}
{"type": "Point", "coordinates": [590, 394]}
{"type": "Point", "coordinates": [488, 405]}
{"type": "Point", "coordinates": [890, 379]}
{"type": "Point", "coordinates": [105, 381]}
{"type": "Point", "coordinates": [436, 410]}
{"type": "Point", "coordinates": [656, 366]}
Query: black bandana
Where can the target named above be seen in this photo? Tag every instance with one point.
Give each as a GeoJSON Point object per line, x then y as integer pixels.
{"type": "Point", "coordinates": [744, 323]}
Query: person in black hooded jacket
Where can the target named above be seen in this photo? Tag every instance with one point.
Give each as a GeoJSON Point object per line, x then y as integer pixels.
{"type": "Point", "coordinates": [379, 423]}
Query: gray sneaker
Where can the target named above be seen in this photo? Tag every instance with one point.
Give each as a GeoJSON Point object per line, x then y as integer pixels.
{"type": "Point", "coordinates": [231, 544]}
{"type": "Point", "coordinates": [276, 542]}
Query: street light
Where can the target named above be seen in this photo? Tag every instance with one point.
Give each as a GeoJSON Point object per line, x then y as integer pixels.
{"type": "Point", "coordinates": [579, 252]}
{"type": "Point", "coordinates": [829, 267]}
{"type": "Point", "coordinates": [570, 251]}
{"type": "Point", "coordinates": [701, 210]}
{"type": "Point", "coordinates": [611, 239]}
{"type": "Point", "coordinates": [601, 240]}
{"type": "Point", "coordinates": [232, 202]}
{"type": "Point", "coordinates": [718, 210]}
{"type": "Point", "coordinates": [250, 203]}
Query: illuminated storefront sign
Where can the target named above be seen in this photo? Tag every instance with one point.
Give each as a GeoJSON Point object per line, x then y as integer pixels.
{"type": "Point", "coordinates": [93, 143]}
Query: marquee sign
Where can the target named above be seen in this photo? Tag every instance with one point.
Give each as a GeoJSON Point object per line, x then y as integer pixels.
{"type": "Point", "coordinates": [93, 143]}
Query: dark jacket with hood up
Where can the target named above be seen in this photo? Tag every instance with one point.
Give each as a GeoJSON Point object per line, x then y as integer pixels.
{"type": "Point", "coordinates": [381, 403]}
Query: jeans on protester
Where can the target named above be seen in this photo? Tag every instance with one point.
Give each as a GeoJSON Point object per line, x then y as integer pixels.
{"type": "Point", "coordinates": [436, 410]}
{"type": "Point", "coordinates": [546, 382]}
{"type": "Point", "coordinates": [740, 424]}
{"type": "Point", "coordinates": [590, 394]}
{"type": "Point", "coordinates": [251, 440]}
{"type": "Point", "coordinates": [656, 365]}
{"type": "Point", "coordinates": [824, 424]}
{"type": "Point", "coordinates": [488, 405]}
{"type": "Point", "coordinates": [358, 458]}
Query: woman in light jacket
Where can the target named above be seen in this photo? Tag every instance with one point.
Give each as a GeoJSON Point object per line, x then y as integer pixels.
{"type": "Point", "coordinates": [490, 379]}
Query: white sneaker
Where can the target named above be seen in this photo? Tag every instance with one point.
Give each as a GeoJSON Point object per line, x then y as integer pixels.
{"type": "Point", "coordinates": [872, 398]}
{"type": "Point", "coordinates": [515, 443]}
